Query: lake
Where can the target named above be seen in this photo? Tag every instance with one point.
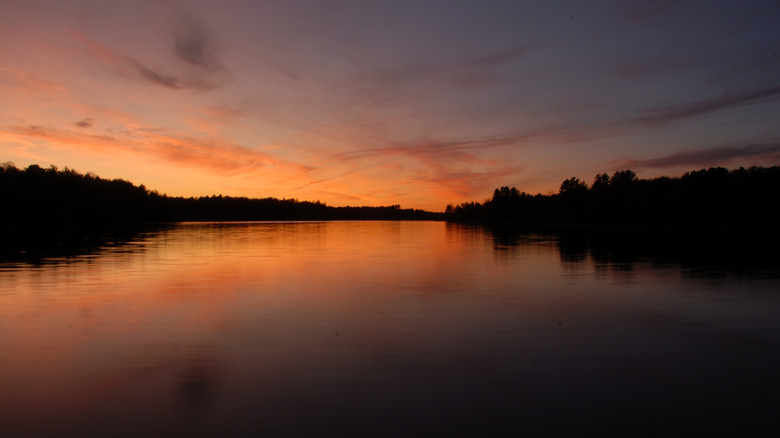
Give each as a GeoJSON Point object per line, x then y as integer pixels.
{"type": "Point", "coordinates": [391, 329]}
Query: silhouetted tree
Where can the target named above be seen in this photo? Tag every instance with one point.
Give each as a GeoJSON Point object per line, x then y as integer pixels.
{"type": "Point", "coordinates": [36, 196]}
{"type": "Point", "coordinates": [572, 197]}
{"type": "Point", "coordinates": [573, 187]}
{"type": "Point", "coordinates": [600, 181]}
{"type": "Point", "coordinates": [707, 197]}
{"type": "Point", "coordinates": [623, 178]}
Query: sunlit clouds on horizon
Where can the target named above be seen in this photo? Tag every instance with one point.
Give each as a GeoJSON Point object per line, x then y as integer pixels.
{"type": "Point", "coordinates": [420, 104]}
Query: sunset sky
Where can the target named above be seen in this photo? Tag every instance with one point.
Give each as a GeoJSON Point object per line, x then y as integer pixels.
{"type": "Point", "coordinates": [419, 103]}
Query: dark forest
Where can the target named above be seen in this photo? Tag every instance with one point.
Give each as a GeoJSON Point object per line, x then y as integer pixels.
{"type": "Point", "coordinates": [714, 197]}
{"type": "Point", "coordinates": [45, 196]}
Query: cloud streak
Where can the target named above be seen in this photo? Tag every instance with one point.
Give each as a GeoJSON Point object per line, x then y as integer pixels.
{"type": "Point", "coordinates": [171, 81]}
{"type": "Point", "coordinates": [638, 11]}
{"type": "Point", "coordinates": [461, 181]}
{"type": "Point", "coordinates": [705, 106]}
{"type": "Point", "coordinates": [497, 59]}
{"type": "Point", "coordinates": [86, 123]}
{"type": "Point", "coordinates": [445, 148]}
{"type": "Point", "coordinates": [387, 102]}
{"type": "Point", "coordinates": [193, 47]}
{"type": "Point", "coordinates": [426, 147]}
{"type": "Point", "coordinates": [463, 74]}
{"type": "Point", "coordinates": [448, 168]}
{"type": "Point", "coordinates": [712, 156]}
{"type": "Point", "coordinates": [219, 156]}
{"type": "Point", "coordinates": [194, 44]}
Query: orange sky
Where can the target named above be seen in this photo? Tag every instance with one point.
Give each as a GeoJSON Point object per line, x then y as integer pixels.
{"type": "Point", "coordinates": [413, 103]}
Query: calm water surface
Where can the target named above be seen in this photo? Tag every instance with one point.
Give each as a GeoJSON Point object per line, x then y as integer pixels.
{"type": "Point", "coordinates": [385, 329]}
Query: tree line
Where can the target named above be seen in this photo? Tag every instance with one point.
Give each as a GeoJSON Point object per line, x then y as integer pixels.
{"type": "Point", "coordinates": [44, 196]}
{"type": "Point", "coordinates": [709, 197]}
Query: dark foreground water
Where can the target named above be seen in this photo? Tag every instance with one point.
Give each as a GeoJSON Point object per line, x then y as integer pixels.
{"type": "Point", "coordinates": [390, 329]}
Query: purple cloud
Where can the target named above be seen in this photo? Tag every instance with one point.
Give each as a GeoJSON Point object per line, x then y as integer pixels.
{"type": "Point", "coordinates": [194, 44]}
{"type": "Point", "coordinates": [172, 81]}
{"type": "Point", "coordinates": [86, 123]}
{"type": "Point", "coordinates": [500, 58]}
{"type": "Point", "coordinates": [462, 74]}
{"type": "Point", "coordinates": [691, 109]}
{"type": "Point", "coordinates": [711, 156]}
{"type": "Point", "coordinates": [642, 10]}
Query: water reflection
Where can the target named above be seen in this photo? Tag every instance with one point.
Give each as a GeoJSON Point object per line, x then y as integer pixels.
{"type": "Point", "coordinates": [387, 329]}
{"type": "Point", "coordinates": [699, 253]}
{"type": "Point", "coordinates": [52, 245]}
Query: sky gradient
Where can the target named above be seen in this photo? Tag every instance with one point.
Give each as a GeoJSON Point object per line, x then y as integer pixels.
{"type": "Point", "coordinates": [417, 103]}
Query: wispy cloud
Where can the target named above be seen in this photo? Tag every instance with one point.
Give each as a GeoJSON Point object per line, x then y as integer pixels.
{"type": "Point", "coordinates": [192, 46]}
{"type": "Point", "coordinates": [86, 123]}
{"type": "Point", "coordinates": [159, 78]}
{"type": "Point", "coordinates": [31, 83]}
{"type": "Point", "coordinates": [647, 68]}
{"type": "Point", "coordinates": [464, 182]}
{"type": "Point", "coordinates": [711, 156]}
{"type": "Point", "coordinates": [500, 58]}
{"type": "Point", "coordinates": [175, 82]}
{"type": "Point", "coordinates": [442, 149]}
{"type": "Point", "coordinates": [216, 155]}
{"type": "Point", "coordinates": [705, 106]}
{"type": "Point", "coordinates": [459, 74]}
{"type": "Point", "coordinates": [448, 168]}
{"type": "Point", "coordinates": [58, 135]}
{"type": "Point", "coordinates": [643, 10]}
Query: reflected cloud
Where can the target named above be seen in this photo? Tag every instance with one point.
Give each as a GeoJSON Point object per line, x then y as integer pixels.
{"type": "Point", "coordinates": [352, 324]}
{"type": "Point", "coordinates": [197, 383]}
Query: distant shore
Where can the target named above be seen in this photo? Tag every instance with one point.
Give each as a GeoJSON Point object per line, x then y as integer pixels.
{"type": "Point", "coordinates": [36, 196]}
{"type": "Point", "coordinates": [714, 198]}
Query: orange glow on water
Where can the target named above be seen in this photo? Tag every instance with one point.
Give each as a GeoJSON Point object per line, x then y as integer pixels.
{"type": "Point", "coordinates": [210, 325]}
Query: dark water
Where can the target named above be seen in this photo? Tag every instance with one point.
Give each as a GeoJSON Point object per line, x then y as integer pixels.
{"type": "Point", "coordinates": [390, 329]}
